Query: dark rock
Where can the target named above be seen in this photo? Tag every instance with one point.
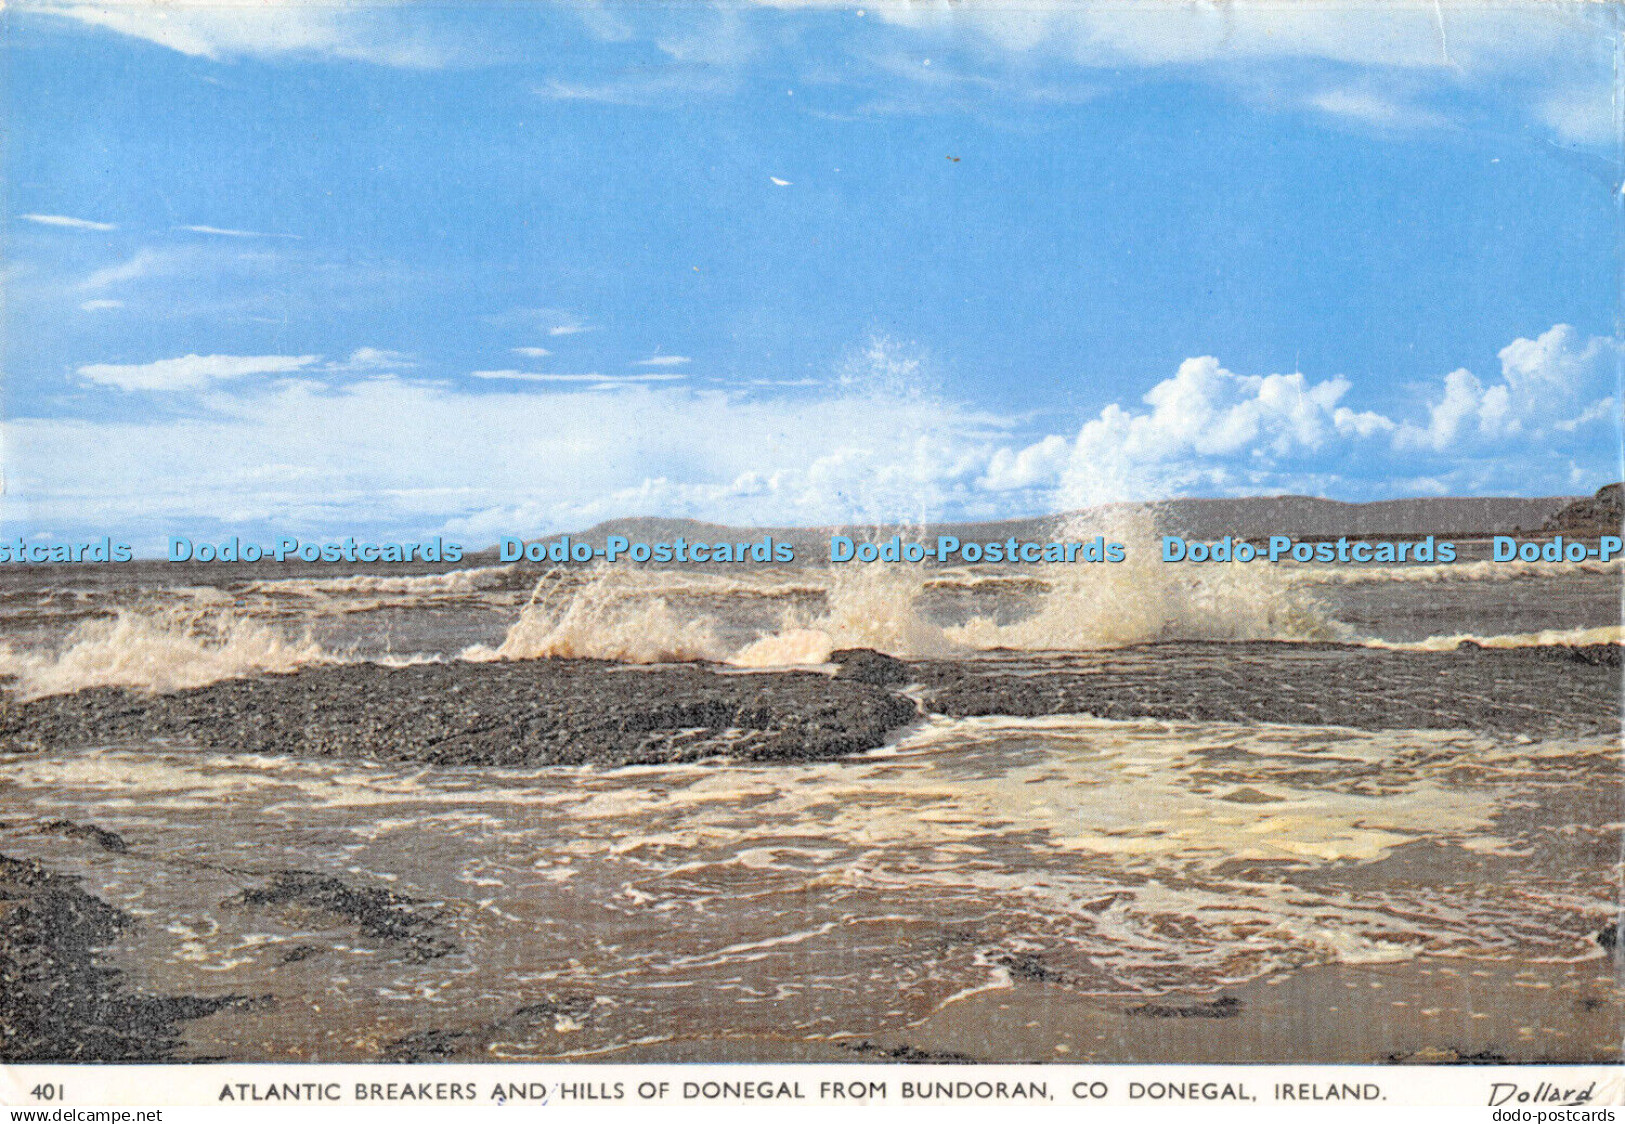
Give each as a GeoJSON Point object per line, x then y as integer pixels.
{"type": "Point", "coordinates": [300, 952]}
{"type": "Point", "coordinates": [577, 1007]}
{"type": "Point", "coordinates": [442, 1044]}
{"type": "Point", "coordinates": [520, 713]}
{"type": "Point", "coordinates": [903, 1052]}
{"type": "Point", "coordinates": [106, 840]}
{"type": "Point", "coordinates": [57, 1002]}
{"type": "Point", "coordinates": [1026, 966]}
{"type": "Point", "coordinates": [1608, 936]}
{"type": "Point", "coordinates": [865, 665]}
{"type": "Point", "coordinates": [1448, 1056]}
{"type": "Point", "coordinates": [382, 914]}
{"type": "Point", "coordinates": [1534, 691]}
{"type": "Point", "coordinates": [1602, 513]}
{"type": "Point", "coordinates": [433, 1045]}
{"type": "Point", "coordinates": [1224, 1007]}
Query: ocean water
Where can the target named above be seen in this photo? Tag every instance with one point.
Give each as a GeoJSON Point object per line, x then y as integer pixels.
{"type": "Point", "coordinates": [806, 902]}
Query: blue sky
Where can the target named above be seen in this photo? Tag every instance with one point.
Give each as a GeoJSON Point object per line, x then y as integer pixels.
{"type": "Point", "coordinates": [394, 268]}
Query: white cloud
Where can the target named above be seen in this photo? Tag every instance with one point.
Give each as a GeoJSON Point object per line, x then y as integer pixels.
{"type": "Point", "coordinates": [1544, 383]}
{"type": "Point", "coordinates": [191, 372]}
{"type": "Point", "coordinates": [384, 33]}
{"type": "Point", "coordinates": [663, 361]}
{"type": "Point", "coordinates": [1203, 415]}
{"type": "Point", "coordinates": [1584, 114]}
{"type": "Point", "coordinates": [673, 85]}
{"type": "Point", "coordinates": [1376, 109]}
{"type": "Point", "coordinates": [69, 222]}
{"type": "Point", "coordinates": [597, 381]}
{"type": "Point", "coordinates": [223, 232]}
{"type": "Point", "coordinates": [142, 263]}
{"type": "Point", "coordinates": [556, 451]}
{"type": "Point", "coordinates": [373, 359]}
{"type": "Point", "coordinates": [390, 451]}
{"type": "Point", "coordinates": [1037, 464]}
{"type": "Point", "coordinates": [531, 352]}
{"type": "Point", "coordinates": [567, 329]}
{"type": "Point", "coordinates": [1209, 429]}
{"type": "Point", "coordinates": [1397, 33]}
{"type": "Point", "coordinates": [99, 305]}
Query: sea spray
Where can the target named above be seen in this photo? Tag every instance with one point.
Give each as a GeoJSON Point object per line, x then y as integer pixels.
{"type": "Point", "coordinates": [1077, 606]}
{"type": "Point", "coordinates": [628, 614]}
{"type": "Point", "coordinates": [159, 651]}
{"type": "Point", "coordinates": [1144, 599]}
{"type": "Point", "coordinates": [868, 606]}
{"type": "Point", "coordinates": [603, 618]}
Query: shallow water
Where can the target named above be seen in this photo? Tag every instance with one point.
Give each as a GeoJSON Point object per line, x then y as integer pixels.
{"type": "Point", "coordinates": [595, 909]}
{"type": "Point", "coordinates": [826, 900]}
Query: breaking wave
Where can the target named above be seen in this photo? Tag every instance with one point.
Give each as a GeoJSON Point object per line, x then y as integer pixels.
{"type": "Point", "coordinates": [1104, 605]}
{"type": "Point", "coordinates": [606, 618]}
{"type": "Point", "coordinates": [158, 652]}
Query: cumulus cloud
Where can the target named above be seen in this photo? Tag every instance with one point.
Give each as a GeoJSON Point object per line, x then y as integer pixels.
{"type": "Point", "coordinates": [1557, 380]}
{"type": "Point", "coordinates": [1202, 415]}
{"type": "Point", "coordinates": [191, 372]}
{"type": "Point", "coordinates": [525, 452]}
{"type": "Point", "coordinates": [1210, 429]}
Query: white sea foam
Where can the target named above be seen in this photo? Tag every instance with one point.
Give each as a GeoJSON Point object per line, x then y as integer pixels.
{"type": "Point", "coordinates": [454, 583]}
{"type": "Point", "coordinates": [1480, 571]}
{"type": "Point", "coordinates": [158, 652]}
{"type": "Point", "coordinates": [1606, 634]}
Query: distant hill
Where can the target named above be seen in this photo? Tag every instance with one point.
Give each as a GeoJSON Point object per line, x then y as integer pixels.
{"type": "Point", "coordinates": [1300, 516]}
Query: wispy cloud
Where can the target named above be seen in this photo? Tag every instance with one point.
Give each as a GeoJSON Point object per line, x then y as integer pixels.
{"type": "Point", "coordinates": [555, 322]}
{"type": "Point", "coordinates": [142, 263]}
{"type": "Point", "coordinates": [1376, 109]}
{"type": "Point", "coordinates": [372, 359]}
{"type": "Point", "coordinates": [669, 87]}
{"type": "Point", "coordinates": [191, 372]}
{"type": "Point", "coordinates": [662, 361]}
{"type": "Point", "coordinates": [531, 352]}
{"type": "Point", "coordinates": [387, 34]}
{"type": "Point", "coordinates": [595, 380]}
{"type": "Point", "coordinates": [225, 233]}
{"type": "Point", "coordinates": [100, 305]}
{"type": "Point", "coordinates": [69, 222]}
